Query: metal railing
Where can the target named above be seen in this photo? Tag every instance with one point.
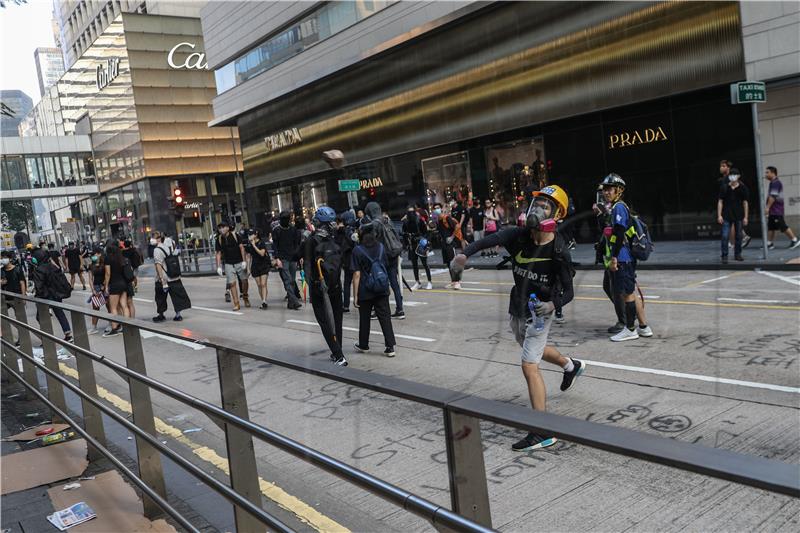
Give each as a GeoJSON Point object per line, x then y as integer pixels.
{"type": "Point", "coordinates": [462, 414]}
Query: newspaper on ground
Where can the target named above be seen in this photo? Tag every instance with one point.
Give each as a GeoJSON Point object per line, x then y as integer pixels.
{"type": "Point", "coordinates": [72, 516]}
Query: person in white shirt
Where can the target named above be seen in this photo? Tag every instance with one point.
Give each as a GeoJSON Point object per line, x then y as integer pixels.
{"type": "Point", "coordinates": [168, 279]}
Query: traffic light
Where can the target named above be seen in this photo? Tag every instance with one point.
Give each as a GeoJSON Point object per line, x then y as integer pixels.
{"type": "Point", "coordinates": [177, 201]}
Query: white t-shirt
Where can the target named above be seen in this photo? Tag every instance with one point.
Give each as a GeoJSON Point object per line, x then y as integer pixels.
{"type": "Point", "coordinates": [160, 254]}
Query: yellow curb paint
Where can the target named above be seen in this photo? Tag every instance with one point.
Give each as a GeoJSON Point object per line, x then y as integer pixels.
{"type": "Point", "coordinates": [283, 499]}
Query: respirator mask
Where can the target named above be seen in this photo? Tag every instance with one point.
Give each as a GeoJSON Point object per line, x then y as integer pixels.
{"type": "Point", "coordinates": [540, 214]}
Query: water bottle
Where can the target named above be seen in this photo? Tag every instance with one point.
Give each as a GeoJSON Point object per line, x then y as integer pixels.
{"type": "Point", "coordinates": [538, 321]}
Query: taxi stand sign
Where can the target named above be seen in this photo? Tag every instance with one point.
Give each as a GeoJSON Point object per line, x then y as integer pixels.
{"type": "Point", "coordinates": [349, 185]}
{"type": "Point", "coordinates": [748, 92]}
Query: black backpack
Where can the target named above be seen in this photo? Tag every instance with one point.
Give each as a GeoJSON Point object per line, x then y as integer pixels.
{"type": "Point", "coordinates": [58, 284]}
{"type": "Point", "coordinates": [127, 272]}
{"type": "Point", "coordinates": [331, 255]}
{"type": "Point", "coordinates": [376, 279]}
{"type": "Point", "coordinates": [172, 264]}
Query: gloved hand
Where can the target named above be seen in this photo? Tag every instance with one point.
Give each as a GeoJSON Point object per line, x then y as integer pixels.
{"type": "Point", "coordinates": [220, 272]}
{"type": "Point", "coordinates": [165, 287]}
{"type": "Point", "coordinates": [450, 239]}
{"type": "Point", "coordinates": [544, 308]}
{"type": "Point", "coordinates": [458, 263]}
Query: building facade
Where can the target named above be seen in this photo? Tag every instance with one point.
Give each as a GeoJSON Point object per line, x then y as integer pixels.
{"type": "Point", "coordinates": [142, 94]}
{"type": "Point", "coordinates": [442, 101]}
{"type": "Point", "coordinates": [49, 67]}
{"type": "Point", "coordinates": [80, 22]}
{"type": "Point", "coordinates": [14, 106]}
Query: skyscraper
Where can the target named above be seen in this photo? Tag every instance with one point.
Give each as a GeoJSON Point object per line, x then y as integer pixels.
{"type": "Point", "coordinates": [49, 67]}
{"type": "Point", "coordinates": [14, 105]}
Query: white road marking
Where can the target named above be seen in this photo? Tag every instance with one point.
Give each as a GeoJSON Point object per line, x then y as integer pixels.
{"type": "Point", "coordinates": [437, 271]}
{"type": "Point", "coordinates": [698, 377]}
{"type": "Point", "coordinates": [409, 337]}
{"type": "Point", "coordinates": [149, 334]}
{"type": "Point", "coordinates": [757, 301]}
{"type": "Point", "coordinates": [408, 303]}
{"type": "Point", "coordinates": [217, 310]}
{"type": "Point", "coordinates": [787, 279]}
{"type": "Point", "coordinates": [651, 297]}
{"type": "Point", "coordinates": [143, 300]}
{"type": "Point", "coordinates": [715, 279]}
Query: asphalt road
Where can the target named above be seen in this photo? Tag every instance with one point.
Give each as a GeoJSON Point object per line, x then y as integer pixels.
{"type": "Point", "coordinates": [742, 327]}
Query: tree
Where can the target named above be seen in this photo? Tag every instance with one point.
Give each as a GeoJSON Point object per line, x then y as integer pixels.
{"type": "Point", "coordinates": [17, 215]}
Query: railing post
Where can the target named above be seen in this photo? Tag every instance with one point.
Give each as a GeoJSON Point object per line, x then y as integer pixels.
{"type": "Point", "coordinates": [150, 469]}
{"type": "Point", "coordinates": [55, 390]}
{"type": "Point", "coordinates": [92, 419]}
{"type": "Point", "coordinates": [241, 454]}
{"type": "Point", "coordinates": [8, 335]}
{"type": "Point", "coordinates": [469, 493]}
{"type": "Point", "coordinates": [25, 344]}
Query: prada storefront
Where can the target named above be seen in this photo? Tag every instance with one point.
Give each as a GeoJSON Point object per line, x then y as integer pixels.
{"type": "Point", "coordinates": [143, 92]}
{"type": "Point", "coordinates": [642, 90]}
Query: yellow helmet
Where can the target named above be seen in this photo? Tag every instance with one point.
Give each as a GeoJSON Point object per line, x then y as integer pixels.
{"type": "Point", "coordinates": [558, 196]}
{"type": "Point", "coordinates": [29, 246]}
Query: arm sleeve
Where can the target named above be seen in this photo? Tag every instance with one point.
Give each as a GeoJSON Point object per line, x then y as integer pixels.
{"type": "Point", "coordinates": [308, 259]}
{"type": "Point", "coordinates": [567, 291]}
{"type": "Point", "coordinates": [500, 238]}
{"type": "Point", "coordinates": [620, 218]}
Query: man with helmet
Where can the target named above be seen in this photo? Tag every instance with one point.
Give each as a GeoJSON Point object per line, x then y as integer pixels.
{"type": "Point", "coordinates": [541, 266]}
{"type": "Point", "coordinates": [322, 263]}
{"type": "Point", "coordinates": [231, 262]}
{"type": "Point", "coordinates": [620, 263]}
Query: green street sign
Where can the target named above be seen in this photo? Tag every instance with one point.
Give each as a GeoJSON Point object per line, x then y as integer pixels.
{"type": "Point", "coordinates": [349, 185]}
{"type": "Point", "coordinates": [748, 92]}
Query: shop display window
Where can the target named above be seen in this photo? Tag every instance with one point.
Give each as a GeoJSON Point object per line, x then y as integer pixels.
{"type": "Point", "coordinates": [312, 196]}
{"type": "Point", "coordinates": [447, 178]}
{"type": "Point", "coordinates": [514, 170]}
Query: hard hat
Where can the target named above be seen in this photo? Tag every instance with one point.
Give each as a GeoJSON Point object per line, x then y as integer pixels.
{"type": "Point", "coordinates": [559, 197]}
{"type": "Point", "coordinates": [325, 214]}
{"type": "Point", "coordinates": [613, 180]}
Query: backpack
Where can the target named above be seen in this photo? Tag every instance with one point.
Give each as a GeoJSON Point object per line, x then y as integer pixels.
{"type": "Point", "coordinates": [641, 243]}
{"type": "Point", "coordinates": [172, 264]}
{"type": "Point", "coordinates": [58, 284]}
{"type": "Point", "coordinates": [376, 279]}
{"type": "Point", "coordinates": [331, 255]}
{"type": "Point", "coordinates": [127, 272]}
{"type": "Point", "coordinates": [390, 240]}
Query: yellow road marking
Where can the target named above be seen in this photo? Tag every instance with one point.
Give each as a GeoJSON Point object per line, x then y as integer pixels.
{"type": "Point", "coordinates": [300, 509]}
{"type": "Point", "coordinates": [655, 302]}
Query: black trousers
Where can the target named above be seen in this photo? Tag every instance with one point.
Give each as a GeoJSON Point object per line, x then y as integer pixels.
{"type": "Point", "coordinates": [177, 292]}
{"type": "Point", "coordinates": [394, 282]}
{"type": "Point", "coordinates": [415, 260]}
{"type": "Point", "coordinates": [381, 307]}
{"type": "Point", "coordinates": [348, 286]}
{"type": "Point", "coordinates": [448, 253]}
{"type": "Point", "coordinates": [59, 314]}
{"type": "Point", "coordinates": [331, 332]}
{"type": "Point", "coordinates": [608, 288]}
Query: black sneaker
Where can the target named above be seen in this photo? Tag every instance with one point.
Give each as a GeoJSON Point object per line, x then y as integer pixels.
{"type": "Point", "coordinates": [339, 362]}
{"type": "Point", "coordinates": [114, 332]}
{"type": "Point", "coordinates": [569, 377]}
{"type": "Point", "coordinates": [346, 310]}
{"type": "Point", "coordinates": [228, 297]}
{"type": "Point", "coordinates": [178, 318]}
{"type": "Point", "coordinates": [724, 259]}
{"type": "Point", "coordinates": [794, 244]}
{"type": "Point", "coordinates": [361, 348]}
{"type": "Point", "coordinates": [295, 307]}
{"type": "Point", "coordinates": [399, 315]}
{"type": "Point", "coordinates": [616, 328]}
{"type": "Point", "coordinates": [264, 305]}
{"type": "Point", "coordinates": [746, 241]}
{"type": "Point", "coordinates": [532, 441]}
{"type": "Point", "coordinates": [159, 318]}
{"type": "Point", "coordinates": [68, 337]}
{"type": "Point", "coordinates": [389, 351]}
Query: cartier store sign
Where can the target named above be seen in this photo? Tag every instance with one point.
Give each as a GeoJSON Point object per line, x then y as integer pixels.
{"type": "Point", "coordinates": [105, 74]}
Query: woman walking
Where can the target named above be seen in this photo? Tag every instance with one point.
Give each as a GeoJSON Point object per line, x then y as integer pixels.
{"type": "Point", "coordinates": [414, 231]}
{"type": "Point", "coordinates": [491, 224]}
{"type": "Point", "coordinates": [116, 285]}
{"type": "Point", "coordinates": [97, 271]}
{"type": "Point", "coordinates": [260, 263]}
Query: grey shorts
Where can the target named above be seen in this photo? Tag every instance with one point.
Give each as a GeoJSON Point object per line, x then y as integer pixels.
{"type": "Point", "coordinates": [533, 342]}
{"type": "Point", "coordinates": [232, 271]}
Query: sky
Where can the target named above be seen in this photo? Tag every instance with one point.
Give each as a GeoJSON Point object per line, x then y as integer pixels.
{"type": "Point", "coordinates": [23, 28]}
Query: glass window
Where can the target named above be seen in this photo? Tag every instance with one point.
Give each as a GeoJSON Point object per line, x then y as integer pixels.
{"type": "Point", "coordinates": [447, 178]}
{"type": "Point", "coordinates": [329, 19]}
{"type": "Point", "coordinates": [51, 171]}
{"type": "Point", "coordinates": [224, 184]}
{"type": "Point", "coordinates": [66, 170]}
{"type": "Point", "coordinates": [200, 186]}
{"type": "Point", "coordinates": [33, 172]}
{"type": "Point", "coordinates": [14, 175]}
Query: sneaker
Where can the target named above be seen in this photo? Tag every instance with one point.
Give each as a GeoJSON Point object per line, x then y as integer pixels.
{"type": "Point", "coordinates": [569, 377]}
{"type": "Point", "coordinates": [294, 307]}
{"type": "Point", "coordinates": [771, 246]}
{"type": "Point", "coordinates": [429, 286]}
{"type": "Point", "coordinates": [559, 317]}
{"type": "Point", "coordinates": [114, 332]}
{"type": "Point", "coordinates": [625, 335]}
{"type": "Point", "coordinates": [532, 441]}
{"type": "Point", "coordinates": [94, 331]}
{"type": "Point", "coordinates": [794, 244]}
{"type": "Point", "coordinates": [246, 302]}
{"type": "Point", "coordinates": [360, 349]}
{"type": "Point", "coordinates": [399, 315]}
{"type": "Point", "coordinates": [415, 286]}
{"type": "Point", "coordinates": [107, 330]}
{"type": "Point", "coordinates": [746, 241]}
{"type": "Point", "coordinates": [68, 337]}
{"type": "Point", "coordinates": [339, 362]}
{"type": "Point", "coordinates": [389, 351]}
{"type": "Point", "coordinates": [449, 285]}
{"type": "Point", "coordinates": [457, 286]}
{"type": "Point", "coordinates": [739, 258]}
{"type": "Point", "coordinates": [645, 331]}
{"type": "Point", "coordinates": [227, 297]}
{"type": "Point", "coordinates": [178, 318]}
{"type": "Point", "coordinates": [346, 310]}
{"type": "Point", "coordinates": [236, 307]}
{"type": "Point", "coordinates": [616, 328]}
{"type": "Point", "coordinates": [373, 316]}
{"type": "Point", "coordinates": [264, 305]}
{"type": "Point", "coordinates": [159, 318]}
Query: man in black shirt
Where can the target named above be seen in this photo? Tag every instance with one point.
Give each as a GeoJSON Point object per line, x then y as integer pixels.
{"type": "Point", "coordinates": [286, 246]}
{"type": "Point", "coordinates": [54, 255]}
{"type": "Point", "coordinates": [732, 211]}
{"type": "Point", "coordinates": [476, 216]}
{"type": "Point", "coordinates": [541, 268]}
{"type": "Point", "coordinates": [230, 262]}
{"type": "Point", "coordinates": [13, 279]}
{"type": "Point", "coordinates": [73, 259]}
